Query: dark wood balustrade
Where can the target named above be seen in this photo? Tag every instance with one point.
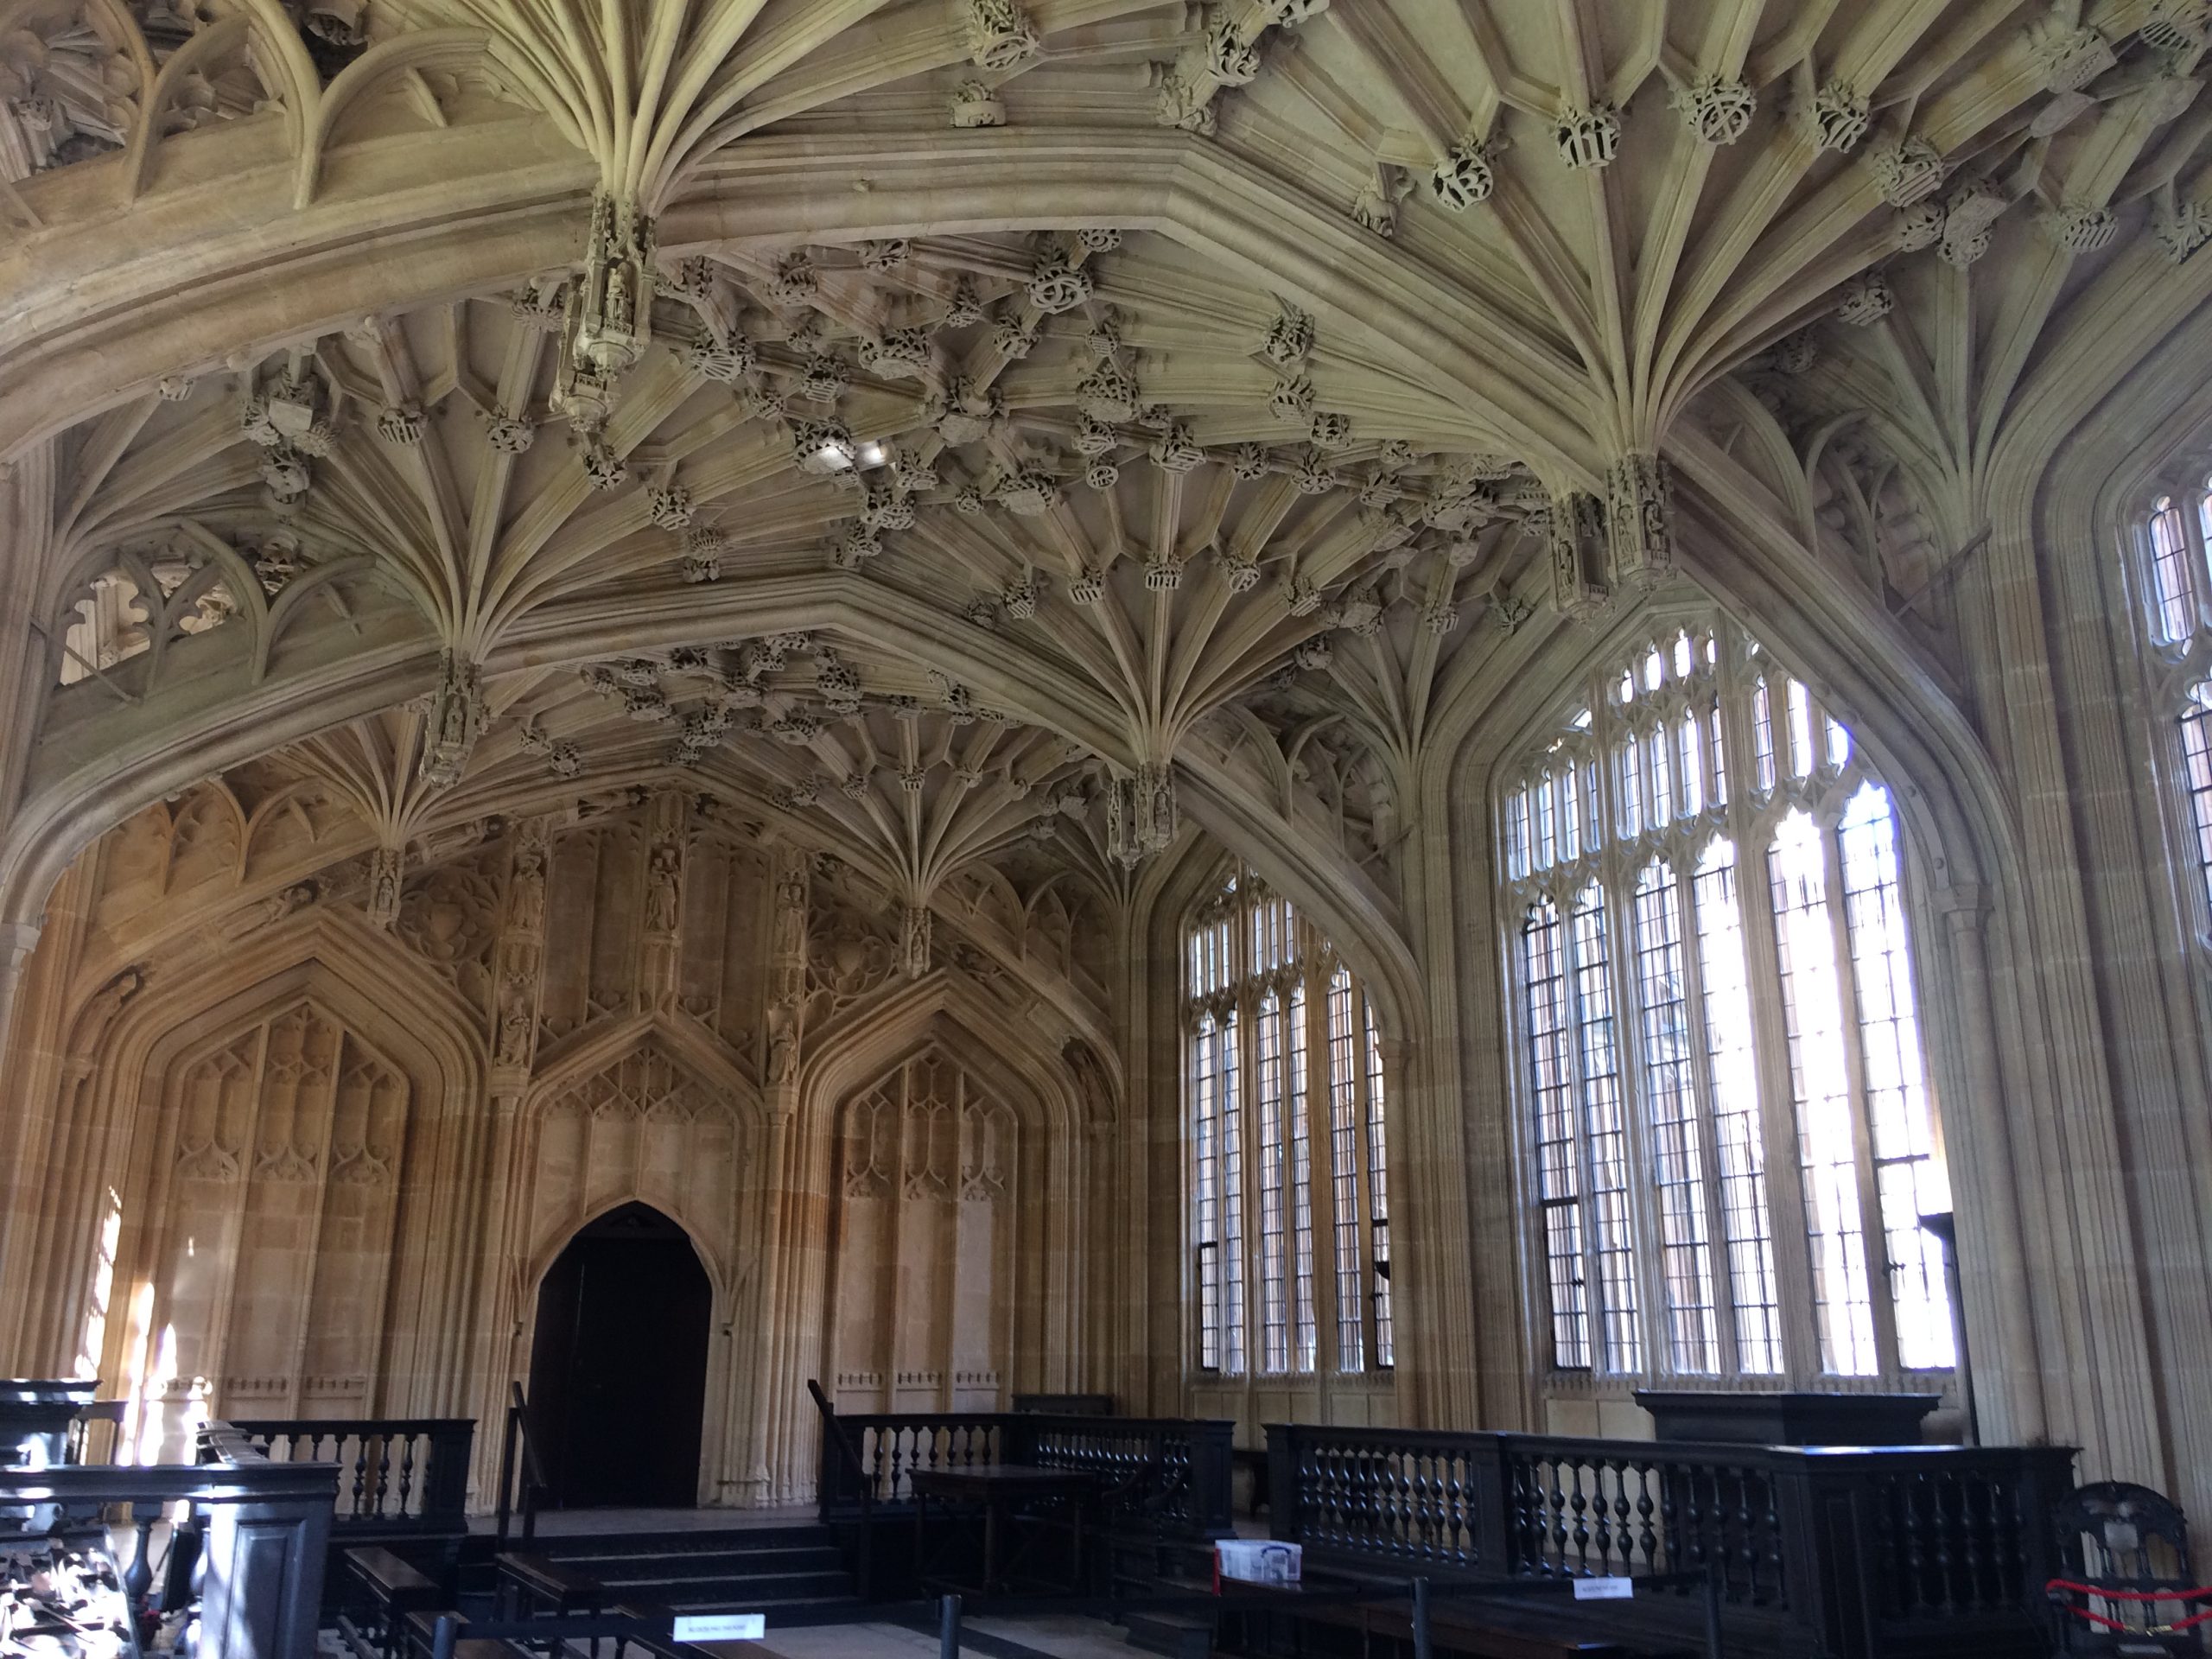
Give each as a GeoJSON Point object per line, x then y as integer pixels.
{"type": "Point", "coordinates": [397, 1475]}
{"type": "Point", "coordinates": [1169, 1475]}
{"type": "Point", "coordinates": [263, 1528]}
{"type": "Point", "coordinates": [1847, 1552]}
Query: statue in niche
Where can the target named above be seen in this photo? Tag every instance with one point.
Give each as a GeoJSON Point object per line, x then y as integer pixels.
{"type": "Point", "coordinates": [101, 1008]}
{"type": "Point", "coordinates": [791, 916]}
{"type": "Point", "coordinates": [661, 876]}
{"type": "Point", "coordinates": [783, 1046]}
{"type": "Point", "coordinates": [618, 301]}
{"type": "Point", "coordinates": [274, 908]}
{"type": "Point", "coordinates": [516, 1020]}
{"type": "Point", "coordinates": [526, 891]}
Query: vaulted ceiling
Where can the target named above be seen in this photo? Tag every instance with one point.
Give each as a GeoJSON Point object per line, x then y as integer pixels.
{"type": "Point", "coordinates": [971, 431]}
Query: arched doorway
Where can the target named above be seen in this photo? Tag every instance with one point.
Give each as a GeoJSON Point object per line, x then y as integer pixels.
{"type": "Point", "coordinates": [618, 1370]}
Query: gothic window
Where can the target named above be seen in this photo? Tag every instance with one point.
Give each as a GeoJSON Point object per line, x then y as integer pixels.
{"type": "Point", "coordinates": [1729, 1132]}
{"type": "Point", "coordinates": [2177, 586]}
{"type": "Point", "coordinates": [1289, 1210]}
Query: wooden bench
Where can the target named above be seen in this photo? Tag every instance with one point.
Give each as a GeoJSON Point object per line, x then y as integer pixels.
{"type": "Point", "coordinates": [531, 1586]}
{"type": "Point", "coordinates": [1483, 1629]}
{"type": "Point", "coordinates": [386, 1588]}
{"type": "Point", "coordinates": [422, 1639]}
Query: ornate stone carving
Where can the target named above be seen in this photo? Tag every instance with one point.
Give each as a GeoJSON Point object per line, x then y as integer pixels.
{"type": "Point", "coordinates": [2182, 228]}
{"type": "Point", "coordinates": [383, 901]}
{"type": "Point", "coordinates": [1466, 175]}
{"type": "Point", "coordinates": [1588, 137]}
{"type": "Point", "coordinates": [1057, 284]}
{"type": "Point", "coordinates": [2071, 57]}
{"type": "Point", "coordinates": [401, 424]}
{"type": "Point", "coordinates": [457, 712]}
{"type": "Point", "coordinates": [2176, 25]}
{"type": "Point", "coordinates": [2079, 227]}
{"type": "Point", "coordinates": [1376, 208]}
{"type": "Point", "coordinates": [1141, 812]}
{"type": "Point", "coordinates": [668, 507]}
{"type": "Point", "coordinates": [1717, 111]}
{"type": "Point", "coordinates": [1639, 514]}
{"type": "Point", "coordinates": [999, 37]}
{"type": "Point", "coordinates": [1907, 171]}
{"type": "Point", "coordinates": [1573, 535]}
{"type": "Point", "coordinates": [1865, 300]}
{"type": "Point", "coordinates": [607, 319]}
{"type": "Point", "coordinates": [1840, 115]}
{"type": "Point", "coordinates": [1108, 394]}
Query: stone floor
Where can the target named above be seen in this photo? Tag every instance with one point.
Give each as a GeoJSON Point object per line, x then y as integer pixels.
{"type": "Point", "coordinates": [1052, 1638]}
{"type": "Point", "coordinates": [568, 1523]}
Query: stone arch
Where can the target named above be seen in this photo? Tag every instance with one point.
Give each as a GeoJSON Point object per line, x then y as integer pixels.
{"type": "Point", "coordinates": [378, 1062]}
{"type": "Point", "coordinates": [1023, 1069]}
{"type": "Point", "coordinates": [645, 1112]}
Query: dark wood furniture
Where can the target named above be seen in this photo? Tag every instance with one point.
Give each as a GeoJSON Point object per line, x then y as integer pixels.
{"type": "Point", "coordinates": [2114, 1536]}
{"type": "Point", "coordinates": [1066, 1404]}
{"type": "Point", "coordinates": [384, 1589]}
{"type": "Point", "coordinates": [1785, 1418]}
{"type": "Point", "coordinates": [1017, 1507]}
{"type": "Point", "coordinates": [1932, 1552]}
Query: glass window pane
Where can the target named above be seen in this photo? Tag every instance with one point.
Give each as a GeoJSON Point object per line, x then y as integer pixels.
{"type": "Point", "coordinates": [1343, 1174]}
{"type": "Point", "coordinates": [1732, 1057]}
{"type": "Point", "coordinates": [1551, 1072]}
{"type": "Point", "coordinates": [1301, 1188]}
{"type": "Point", "coordinates": [1612, 1239]}
{"type": "Point", "coordinates": [1672, 1111]}
{"type": "Point", "coordinates": [1909, 1180]}
{"type": "Point", "coordinates": [1272, 1172]}
{"type": "Point", "coordinates": [1378, 1193]}
{"type": "Point", "coordinates": [1820, 1092]}
{"type": "Point", "coordinates": [2173, 599]}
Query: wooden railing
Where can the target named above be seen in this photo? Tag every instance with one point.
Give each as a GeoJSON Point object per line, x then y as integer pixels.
{"type": "Point", "coordinates": [1169, 1474]}
{"type": "Point", "coordinates": [396, 1475]}
{"type": "Point", "coordinates": [1850, 1552]}
{"type": "Point", "coordinates": [518, 1461]}
{"type": "Point", "coordinates": [262, 1529]}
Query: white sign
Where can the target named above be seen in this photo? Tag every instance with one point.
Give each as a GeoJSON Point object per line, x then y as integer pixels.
{"type": "Point", "coordinates": [1605, 1589]}
{"type": "Point", "coordinates": [1259, 1561]}
{"type": "Point", "coordinates": [721, 1627]}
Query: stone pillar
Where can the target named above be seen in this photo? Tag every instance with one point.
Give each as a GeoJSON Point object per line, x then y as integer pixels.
{"type": "Point", "coordinates": [2003, 1368]}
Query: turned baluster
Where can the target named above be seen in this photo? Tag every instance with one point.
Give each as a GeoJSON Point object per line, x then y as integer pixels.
{"type": "Point", "coordinates": [1623, 1539]}
{"type": "Point", "coordinates": [1579, 1505]}
{"type": "Point", "coordinates": [1912, 1589]}
{"type": "Point", "coordinates": [1647, 1540]}
{"type": "Point", "coordinates": [360, 1472]}
{"type": "Point", "coordinates": [406, 1472]}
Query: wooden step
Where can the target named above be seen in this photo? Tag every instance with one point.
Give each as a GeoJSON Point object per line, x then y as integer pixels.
{"type": "Point", "coordinates": [1179, 1635]}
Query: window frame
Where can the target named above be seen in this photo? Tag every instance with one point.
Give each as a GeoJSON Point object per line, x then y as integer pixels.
{"type": "Point", "coordinates": [1731, 805]}
{"type": "Point", "coordinates": [1235, 967]}
{"type": "Point", "coordinates": [2178, 674]}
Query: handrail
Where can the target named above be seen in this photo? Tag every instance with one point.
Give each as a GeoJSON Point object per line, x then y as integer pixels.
{"type": "Point", "coordinates": [834, 1432]}
{"type": "Point", "coordinates": [532, 1471]}
{"type": "Point", "coordinates": [264, 1528]}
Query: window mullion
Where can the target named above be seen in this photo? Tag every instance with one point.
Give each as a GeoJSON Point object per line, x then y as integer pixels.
{"type": "Point", "coordinates": [1722, 1261]}
{"type": "Point", "coordinates": [1363, 1176]}
{"type": "Point", "coordinates": [1785, 1197]}
{"type": "Point", "coordinates": [1654, 1310]}
{"type": "Point", "coordinates": [1873, 1232]}
{"type": "Point", "coordinates": [2196, 570]}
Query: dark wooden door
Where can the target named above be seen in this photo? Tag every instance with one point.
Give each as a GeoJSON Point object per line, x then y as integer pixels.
{"type": "Point", "coordinates": [618, 1372]}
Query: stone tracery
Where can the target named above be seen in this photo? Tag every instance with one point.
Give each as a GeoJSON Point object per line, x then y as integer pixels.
{"type": "Point", "coordinates": [780, 504]}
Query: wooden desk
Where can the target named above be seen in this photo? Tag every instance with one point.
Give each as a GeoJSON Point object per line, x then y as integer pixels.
{"type": "Point", "coordinates": [997, 1492]}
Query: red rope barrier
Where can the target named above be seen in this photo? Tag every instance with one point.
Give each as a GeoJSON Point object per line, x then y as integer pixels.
{"type": "Point", "coordinates": [2179, 1624]}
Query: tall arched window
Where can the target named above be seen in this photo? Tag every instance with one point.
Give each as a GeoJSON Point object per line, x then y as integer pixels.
{"type": "Point", "coordinates": [1730, 1139]}
{"type": "Point", "coordinates": [2170, 540]}
{"type": "Point", "coordinates": [1290, 1204]}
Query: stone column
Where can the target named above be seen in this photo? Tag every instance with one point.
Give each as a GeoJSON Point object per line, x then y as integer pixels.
{"type": "Point", "coordinates": [2003, 1368]}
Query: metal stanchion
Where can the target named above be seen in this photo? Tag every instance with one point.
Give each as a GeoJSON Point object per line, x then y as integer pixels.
{"type": "Point", "coordinates": [443, 1636]}
{"type": "Point", "coordinates": [947, 1628]}
{"type": "Point", "coordinates": [1712, 1612]}
{"type": "Point", "coordinates": [1423, 1649]}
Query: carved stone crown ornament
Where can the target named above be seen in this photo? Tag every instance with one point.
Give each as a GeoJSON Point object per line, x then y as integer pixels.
{"type": "Point", "coordinates": [606, 321]}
